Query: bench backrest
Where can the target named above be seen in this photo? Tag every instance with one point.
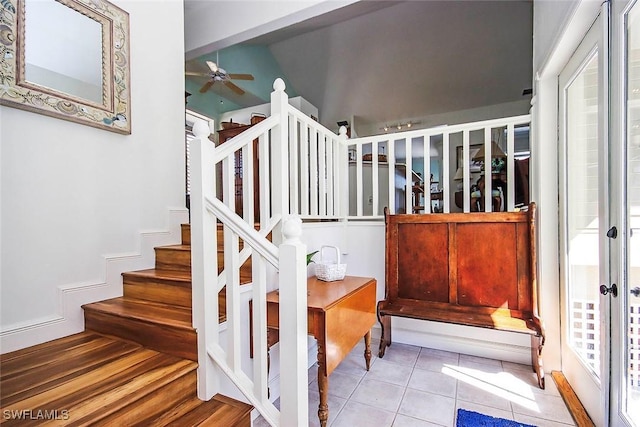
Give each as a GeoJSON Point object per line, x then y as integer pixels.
{"type": "Point", "coordinates": [467, 259]}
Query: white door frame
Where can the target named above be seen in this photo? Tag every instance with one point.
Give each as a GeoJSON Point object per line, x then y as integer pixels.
{"type": "Point", "coordinates": [544, 152]}
{"type": "Point", "coordinates": [618, 193]}
{"type": "Point", "coordinates": [544, 167]}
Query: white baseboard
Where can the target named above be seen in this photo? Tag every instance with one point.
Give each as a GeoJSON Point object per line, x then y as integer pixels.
{"type": "Point", "coordinates": [69, 318]}
{"type": "Point", "coordinates": [481, 342]}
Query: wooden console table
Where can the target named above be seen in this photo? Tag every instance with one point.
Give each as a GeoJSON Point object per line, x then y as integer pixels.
{"type": "Point", "coordinates": [339, 314]}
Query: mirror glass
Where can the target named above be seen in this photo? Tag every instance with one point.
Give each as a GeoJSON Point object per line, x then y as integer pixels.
{"type": "Point", "coordinates": [67, 59]}
{"type": "Point", "coordinates": [63, 49]}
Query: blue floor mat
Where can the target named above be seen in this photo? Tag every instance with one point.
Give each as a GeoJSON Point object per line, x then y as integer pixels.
{"type": "Point", "coordinates": [473, 419]}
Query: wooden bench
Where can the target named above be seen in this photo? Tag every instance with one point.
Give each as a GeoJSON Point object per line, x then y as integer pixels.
{"type": "Point", "coordinates": [473, 269]}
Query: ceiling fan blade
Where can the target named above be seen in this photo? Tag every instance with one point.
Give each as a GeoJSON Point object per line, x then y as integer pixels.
{"type": "Point", "coordinates": [241, 76]}
{"type": "Point", "coordinates": [234, 88]}
{"type": "Point", "coordinates": [195, 73]}
{"type": "Point", "coordinates": [206, 86]}
{"type": "Point", "coordinates": [196, 66]}
{"type": "Point", "coordinates": [212, 66]}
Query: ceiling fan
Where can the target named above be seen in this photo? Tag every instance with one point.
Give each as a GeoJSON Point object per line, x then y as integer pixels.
{"type": "Point", "coordinates": [217, 74]}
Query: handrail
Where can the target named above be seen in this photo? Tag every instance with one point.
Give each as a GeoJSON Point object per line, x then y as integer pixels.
{"type": "Point", "coordinates": [246, 252]}
{"type": "Point", "coordinates": [438, 130]}
{"type": "Point", "coordinates": [250, 235]}
{"type": "Point", "coordinates": [236, 143]}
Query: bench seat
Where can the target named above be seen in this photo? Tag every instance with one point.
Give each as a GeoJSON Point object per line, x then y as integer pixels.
{"type": "Point", "coordinates": [484, 317]}
{"type": "Point", "coordinates": [474, 269]}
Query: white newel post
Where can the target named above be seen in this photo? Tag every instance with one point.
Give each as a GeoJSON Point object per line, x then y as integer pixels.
{"type": "Point", "coordinates": [280, 151]}
{"type": "Point", "coordinates": [343, 173]}
{"type": "Point", "coordinates": [294, 401]}
{"type": "Point", "coordinates": [204, 247]}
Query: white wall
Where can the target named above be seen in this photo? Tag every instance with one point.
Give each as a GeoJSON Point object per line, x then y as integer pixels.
{"type": "Point", "coordinates": [549, 18]}
{"type": "Point", "coordinates": [222, 23]}
{"type": "Point", "coordinates": [73, 195]}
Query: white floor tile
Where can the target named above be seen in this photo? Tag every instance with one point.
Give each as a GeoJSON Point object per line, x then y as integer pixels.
{"type": "Point", "coordinates": [483, 394]}
{"type": "Point", "coordinates": [436, 360]}
{"type": "Point", "coordinates": [429, 407]}
{"type": "Point", "coordinates": [433, 382]}
{"type": "Point", "coordinates": [389, 372]}
{"type": "Point", "coordinates": [378, 394]}
{"type": "Point", "coordinates": [341, 385]}
{"type": "Point", "coordinates": [546, 407]}
{"type": "Point", "coordinates": [357, 414]}
{"type": "Point", "coordinates": [402, 354]}
{"type": "Point", "coordinates": [404, 421]}
{"type": "Point", "coordinates": [354, 364]}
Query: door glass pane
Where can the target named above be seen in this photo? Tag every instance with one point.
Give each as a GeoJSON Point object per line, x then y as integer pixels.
{"type": "Point", "coordinates": [582, 215]}
{"type": "Point", "coordinates": [631, 370]}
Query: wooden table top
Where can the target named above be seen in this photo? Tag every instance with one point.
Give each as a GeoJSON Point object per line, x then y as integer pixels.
{"type": "Point", "coordinates": [323, 295]}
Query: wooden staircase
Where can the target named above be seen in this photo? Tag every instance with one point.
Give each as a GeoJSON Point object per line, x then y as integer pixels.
{"type": "Point", "coordinates": [135, 364]}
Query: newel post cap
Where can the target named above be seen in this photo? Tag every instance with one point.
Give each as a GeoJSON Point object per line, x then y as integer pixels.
{"type": "Point", "coordinates": [292, 228]}
{"type": "Point", "coordinates": [201, 130]}
{"type": "Point", "coordinates": [278, 85]}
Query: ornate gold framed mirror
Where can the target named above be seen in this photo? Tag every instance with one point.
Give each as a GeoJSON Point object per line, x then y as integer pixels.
{"type": "Point", "coordinates": [67, 59]}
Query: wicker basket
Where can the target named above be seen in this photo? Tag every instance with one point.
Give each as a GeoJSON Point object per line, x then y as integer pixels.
{"type": "Point", "coordinates": [330, 271]}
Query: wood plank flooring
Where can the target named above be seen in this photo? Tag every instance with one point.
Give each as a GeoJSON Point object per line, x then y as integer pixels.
{"type": "Point", "coordinates": [92, 379]}
{"type": "Point", "coordinates": [134, 365]}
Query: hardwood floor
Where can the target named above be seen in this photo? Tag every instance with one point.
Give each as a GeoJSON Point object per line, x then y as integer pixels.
{"type": "Point", "coordinates": [135, 364]}
{"type": "Point", "coordinates": [92, 379]}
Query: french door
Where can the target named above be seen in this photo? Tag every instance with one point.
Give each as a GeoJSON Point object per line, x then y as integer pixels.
{"type": "Point", "coordinates": [599, 93]}
{"type": "Point", "coordinates": [583, 217]}
{"type": "Point", "coordinates": [625, 213]}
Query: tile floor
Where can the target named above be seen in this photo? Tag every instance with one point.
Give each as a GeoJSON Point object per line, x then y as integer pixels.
{"type": "Point", "coordinates": [419, 387]}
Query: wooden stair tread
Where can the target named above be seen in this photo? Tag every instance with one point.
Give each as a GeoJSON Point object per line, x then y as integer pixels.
{"type": "Point", "coordinates": [43, 366]}
{"type": "Point", "coordinates": [146, 311]}
{"type": "Point", "coordinates": [63, 384]}
{"type": "Point", "coordinates": [102, 380]}
{"type": "Point", "coordinates": [219, 411]}
{"type": "Point", "coordinates": [161, 274]}
{"type": "Point", "coordinates": [186, 248]}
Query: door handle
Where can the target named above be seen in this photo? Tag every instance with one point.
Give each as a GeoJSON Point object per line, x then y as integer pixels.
{"type": "Point", "coordinates": [613, 290]}
{"type": "Point", "coordinates": [635, 292]}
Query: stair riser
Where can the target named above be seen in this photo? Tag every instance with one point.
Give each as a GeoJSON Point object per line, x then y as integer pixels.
{"type": "Point", "coordinates": [155, 291]}
{"type": "Point", "coordinates": [185, 232]}
{"type": "Point", "coordinates": [153, 404]}
{"type": "Point", "coordinates": [173, 259]}
{"type": "Point", "coordinates": [175, 341]}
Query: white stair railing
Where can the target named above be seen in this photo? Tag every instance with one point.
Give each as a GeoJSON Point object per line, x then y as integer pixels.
{"type": "Point", "coordinates": [397, 151]}
{"type": "Point", "coordinates": [317, 168]}
{"type": "Point", "coordinates": [207, 208]}
{"type": "Point", "coordinates": [305, 170]}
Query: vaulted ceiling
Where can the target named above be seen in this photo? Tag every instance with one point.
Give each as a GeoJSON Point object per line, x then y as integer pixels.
{"type": "Point", "coordinates": [398, 61]}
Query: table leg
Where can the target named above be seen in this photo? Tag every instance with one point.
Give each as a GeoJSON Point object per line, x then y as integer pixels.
{"type": "Point", "coordinates": [367, 349]}
{"type": "Point", "coordinates": [323, 387]}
